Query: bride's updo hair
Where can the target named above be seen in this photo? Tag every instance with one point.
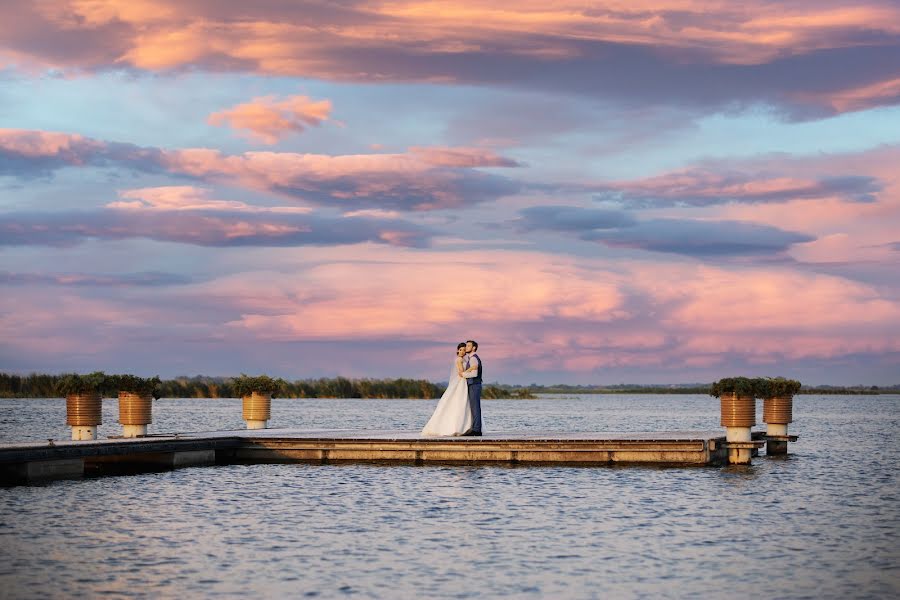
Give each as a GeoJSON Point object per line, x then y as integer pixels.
{"type": "Point", "coordinates": [460, 345]}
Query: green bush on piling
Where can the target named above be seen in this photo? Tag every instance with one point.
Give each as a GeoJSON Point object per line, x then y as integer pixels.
{"type": "Point", "coordinates": [776, 387]}
{"type": "Point", "coordinates": [757, 387]}
{"type": "Point", "coordinates": [73, 383]}
{"type": "Point", "coordinates": [245, 385]}
{"type": "Point", "coordinates": [742, 386]}
{"type": "Point", "coordinates": [134, 384]}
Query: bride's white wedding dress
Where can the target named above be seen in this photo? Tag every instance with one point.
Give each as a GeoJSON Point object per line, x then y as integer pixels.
{"type": "Point", "coordinates": [452, 415]}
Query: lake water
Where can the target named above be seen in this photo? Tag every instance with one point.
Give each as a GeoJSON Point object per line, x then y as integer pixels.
{"type": "Point", "coordinates": [820, 523]}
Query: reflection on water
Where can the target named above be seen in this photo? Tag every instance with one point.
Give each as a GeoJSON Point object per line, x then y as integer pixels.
{"type": "Point", "coordinates": [822, 522]}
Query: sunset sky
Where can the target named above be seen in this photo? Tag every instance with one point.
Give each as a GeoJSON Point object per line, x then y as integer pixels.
{"type": "Point", "coordinates": [635, 191]}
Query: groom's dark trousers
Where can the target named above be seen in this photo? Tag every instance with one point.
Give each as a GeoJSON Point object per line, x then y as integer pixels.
{"type": "Point", "coordinates": [475, 396]}
{"type": "Point", "coordinates": [475, 405]}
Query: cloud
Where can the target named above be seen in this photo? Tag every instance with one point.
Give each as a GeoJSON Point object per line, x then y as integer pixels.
{"type": "Point", "coordinates": [721, 184]}
{"type": "Point", "coordinates": [811, 58]}
{"type": "Point", "coordinates": [540, 317]}
{"type": "Point", "coordinates": [687, 237]}
{"type": "Point", "coordinates": [268, 119]}
{"type": "Point", "coordinates": [701, 238]}
{"type": "Point", "coordinates": [145, 279]}
{"type": "Point", "coordinates": [191, 198]}
{"type": "Point", "coordinates": [540, 312]}
{"type": "Point", "coordinates": [881, 93]}
{"type": "Point", "coordinates": [572, 218]}
{"type": "Point", "coordinates": [30, 153]}
{"type": "Point", "coordinates": [462, 157]}
{"type": "Point", "coordinates": [202, 228]}
{"type": "Point", "coordinates": [422, 179]}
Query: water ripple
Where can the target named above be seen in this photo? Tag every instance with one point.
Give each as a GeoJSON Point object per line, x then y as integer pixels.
{"type": "Point", "coordinates": [820, 523]}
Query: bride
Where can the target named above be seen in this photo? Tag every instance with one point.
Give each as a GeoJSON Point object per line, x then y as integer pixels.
{"type": "Point", "coordinates": [452, 415]}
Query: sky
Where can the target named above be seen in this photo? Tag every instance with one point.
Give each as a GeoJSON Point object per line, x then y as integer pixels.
{"type": "Point", "coordinates": [641, 191]}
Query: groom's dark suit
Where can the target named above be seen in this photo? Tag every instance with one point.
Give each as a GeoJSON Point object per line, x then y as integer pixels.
{"type": "Point", "coordinates": [474, 393]}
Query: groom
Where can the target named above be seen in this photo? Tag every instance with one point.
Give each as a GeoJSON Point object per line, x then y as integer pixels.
{"type": "Point", "coordinates": [472, 373]}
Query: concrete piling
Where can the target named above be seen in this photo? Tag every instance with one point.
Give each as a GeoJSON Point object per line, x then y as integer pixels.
{"type": "Point", "coordinates": [83, 414]}
{"type": "Point", "coordinates": [738, 416]}
{"type": "Point", "coordinates": [257, 410]}
{"type": "Point", "coordinates": [777, 413]}
{"type": "Point", "coordinates": [135, 413]}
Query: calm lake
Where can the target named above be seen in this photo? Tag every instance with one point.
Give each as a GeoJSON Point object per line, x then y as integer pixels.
{"type": "Point", "coordinates": [823, 522]}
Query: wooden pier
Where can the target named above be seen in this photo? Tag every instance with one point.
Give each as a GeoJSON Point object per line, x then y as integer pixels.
{"type": "Point", "coordinates": [63, 459]}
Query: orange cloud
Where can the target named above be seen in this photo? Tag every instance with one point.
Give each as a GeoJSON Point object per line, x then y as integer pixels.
{"type": "Point", "coordinates": [446, 41]}
{"type": "Point", "coordinates": [268, 119]}
{"type": "Point", "coordinates": [751, 32]}
{"type": "Point", "coordinates": [579, 313]}
{"type": "Point", "coordinates": [347, 300]}
{"type": "Point", "coordinates": [532, 312]}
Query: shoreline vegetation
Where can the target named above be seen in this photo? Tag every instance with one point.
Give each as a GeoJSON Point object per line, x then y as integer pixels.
{"type": "Point", "coordinates": [39, 385]}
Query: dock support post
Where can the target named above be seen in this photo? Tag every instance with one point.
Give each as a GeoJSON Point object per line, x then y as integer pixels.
{"type": "Point", "coordinates": [774, 447]}
{"type": "Point", "coordinates": [738, 416]}
{"type": "Point", "coordinates": [257, 424]}
{"type": "Point", "coordinates": [778, 411]}
{"type": "Point", "coordinates": [738, 456]}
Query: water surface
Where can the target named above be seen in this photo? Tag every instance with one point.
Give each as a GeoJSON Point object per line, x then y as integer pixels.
{"type": "Point", "coordinates": [821, 523]}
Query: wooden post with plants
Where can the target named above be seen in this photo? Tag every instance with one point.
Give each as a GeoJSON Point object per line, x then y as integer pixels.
{"type": "Point", "coordinates": [256, 393]}
{"type": "Point", "coordinates": [83, 403]}
{"type": "Point", "coordinates": [738, 411]}
{"type": "Point", "coordinates": [778, 404]}
{"type": "Point", "coordinates": [136, 396]}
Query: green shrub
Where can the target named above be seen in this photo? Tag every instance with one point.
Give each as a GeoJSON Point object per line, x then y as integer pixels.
{"type": "Point", "coordinates": [134, 384]}
{"type": "Point", "coordinates": [73, 383]}
{"type": "Point", "coordinates": [770, 387]}
{"type": "Point", "coordinates": [742, 386]}
{"type": "Point", "coordinates": [245, 385]}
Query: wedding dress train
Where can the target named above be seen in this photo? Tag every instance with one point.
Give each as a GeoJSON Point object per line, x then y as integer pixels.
{"type": "Point", "coordinates": [452, 415]}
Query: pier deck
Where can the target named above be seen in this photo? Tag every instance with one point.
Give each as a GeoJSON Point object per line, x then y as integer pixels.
{"type": "Point", "coordinates": [59, 459]}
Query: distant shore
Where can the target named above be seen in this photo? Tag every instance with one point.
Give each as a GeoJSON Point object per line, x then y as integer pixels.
{"type": "Point", "coordinates": [39, 385]}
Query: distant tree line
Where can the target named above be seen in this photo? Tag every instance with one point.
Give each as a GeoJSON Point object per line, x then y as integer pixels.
{"type": "Point", "coordinates": [701, 388]}
{"type": "Point", "coordinates": [40, 385]}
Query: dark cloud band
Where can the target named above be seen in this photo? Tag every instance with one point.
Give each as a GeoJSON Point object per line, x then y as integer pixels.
{"type": "Point", "coordinates": [220, 229]}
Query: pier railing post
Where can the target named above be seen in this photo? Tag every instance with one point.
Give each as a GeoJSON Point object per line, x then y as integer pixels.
{"type": "Point", "coordinates": [257, 410]}
{"type": "Point", "coordinates": [738, 416]}
{"type": "Point", "coordinates": [83, 414]}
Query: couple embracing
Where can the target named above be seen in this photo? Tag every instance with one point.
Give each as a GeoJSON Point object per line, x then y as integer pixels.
{"type": "Point", "coordinates": [459, 410]}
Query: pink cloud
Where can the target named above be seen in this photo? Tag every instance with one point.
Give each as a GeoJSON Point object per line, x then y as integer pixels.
{"type": "Point", "coordinates": [268, 119]}
{"type": "Point", "coordinates": [577, 313]}
{"type": "Point", "coordinates": [863, 97]}
{"type": "Point", "coordinates": [461, 157]}
{"type": "Point", "coordinates": [168, 33]}
{"type": "Point", "coordinates": [534, 313]}
{"type": "Point", "coordinates": [723, 183]}
{"type": "Point", "coordinates": [422, 179]}
{"type": "Point", "coordinates": [567, 45]}
{"type": "Point", "coordinates": [190, 198]}
{"type": "Point", "coordinates": [355, 300]}
{"type": "Point", "coordinates": [847, 230]}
